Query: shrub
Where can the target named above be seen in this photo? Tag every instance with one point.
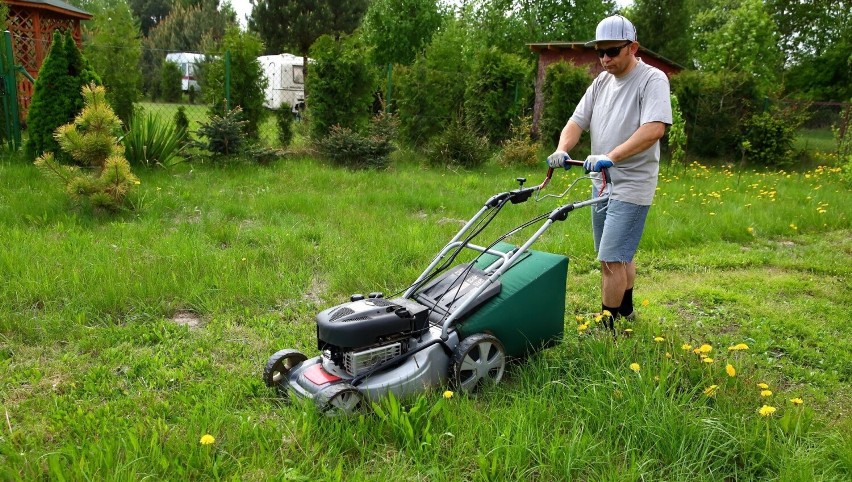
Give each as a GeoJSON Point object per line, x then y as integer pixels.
{"type": "Point", "coordinates": [57, 95]}
{"type": "Point", "coordinates": [677, 134]}
{"type": "Point", "coordinates": [496, 93]}
{"type": "Point", "coordinates": [349, 148]}
{"type": "Point", "coordinates": [768, 137]}
{"type": "Point", "coordinates": [458, 145]}
{"type": "Point", "coordinates": [284, 120]}
{"type": "Point", "coordinates": [564, 86]}
{"type": "Point", "coordinates": [182, 122]}
{"type": "Point", "coordinates": [170, 82]}
{"type": "Point", "coordinates": [91, 141]}
{"type": "Point", "coordinates": [340, 86]}
{"type": "Point", "coordinates": [224, 134]}
{"type": "Point", "coordinates": [150, 141]}
{"type": "Point", "coordinates": [520, 149]}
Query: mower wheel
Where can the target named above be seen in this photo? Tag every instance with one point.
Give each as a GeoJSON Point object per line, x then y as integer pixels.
{"type": "Point", "coordinates": [477, 360]}
{"type": "Point", "coordinates": [278, 367]}
{"type": "Point", "coordinates": [338, 399]}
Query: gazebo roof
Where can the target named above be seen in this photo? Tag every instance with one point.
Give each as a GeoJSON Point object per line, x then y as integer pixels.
{"type": "Point", "coordinates": [57, 6]}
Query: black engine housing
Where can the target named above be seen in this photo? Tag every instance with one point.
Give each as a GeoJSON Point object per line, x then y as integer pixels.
{"type": "Point", "coordinates": [371, 321]}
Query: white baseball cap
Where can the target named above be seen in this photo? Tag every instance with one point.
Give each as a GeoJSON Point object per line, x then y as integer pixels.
{"type": "Point", "coordinates": [613, 28]}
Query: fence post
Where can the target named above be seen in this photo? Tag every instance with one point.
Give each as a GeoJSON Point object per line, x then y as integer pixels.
{"type": "Point", "coordinates": [11, 120]}
{"type": "Point", "coordinates": [227, 81]}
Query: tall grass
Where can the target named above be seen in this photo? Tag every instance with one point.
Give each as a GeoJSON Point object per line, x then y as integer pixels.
{"type": "Point", "coordinates": [98, 381]}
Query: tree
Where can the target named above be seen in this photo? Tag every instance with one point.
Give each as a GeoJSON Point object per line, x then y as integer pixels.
{"type": "Point", "coordinates": [114, 47]}
{"type": "Point", "coordinates": [738, 36]}
{"type": "Point", "coordinates": [663, 26]}
{"type": "Point", "coordinates": [150, 12]}
{"type": "Point", "coordinates": [399, 29]}
{"type": "Point", "coordinates": [807, 29]}
{"type": "Point", "coordinates": [296, 24]}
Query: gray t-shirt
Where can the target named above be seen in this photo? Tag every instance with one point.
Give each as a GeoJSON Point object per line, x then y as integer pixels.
{"type": "Point", "coordinates": [611, 110]}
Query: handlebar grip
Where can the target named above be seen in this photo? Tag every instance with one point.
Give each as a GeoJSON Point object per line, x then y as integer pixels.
{"type": "Point", "coordinates": [574, 162]}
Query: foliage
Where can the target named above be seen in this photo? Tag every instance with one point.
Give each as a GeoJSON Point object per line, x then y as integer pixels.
{"type": "Point", "coordinates": [768, 137]}
{"type": "Point", "coordinates": [151, 141]}
{"type": "Point", "coordinates": [738, 36]}
{"type": "Point", "coordinates": [664, 27]}
{"type": "Point", "coordinates": [114, 47]}
{"type": "Point", "coordinates": [398, 30]}
{"type": "Point", "coordinates": [341, 86]}
{"type": "Point", "coordinates": [349, 148]}
{"type": "Point", "coordinates": [496, 93]}
{"type": "Point", "coordinates": [247, 80]}
{"type": "Point", "coordinates": [284, 122]}
{"type": "Point", "coordinates": [430, 93]}
{"type": "Point", "coordinates": [520, 149]}
{"type": "Point", "coordinates": [91, 142]}
{"type": "Point", "coordinates": [151, 12]}
{"type": "Point", "coordinates": [181, 122]}
{"type": "Point", "coordinates": [564, 86]}
{"type": "Point", "coordinates": [224, 133]}
{"type": "Point", "coordinates": [458, 145]}
{"type": "Point", "coordinates": [411, 428]}
{"type": "Point", "coordinates": [57, 94]}
{"type": "Point", "coordinates": [826, 76]}
{"type": "Point", "coordinates": [843, 140]}
{"type": "Point", "coordinates": [714, 106]}
{"type": "Point", "coordinates": [677, 134]}
{"type": "Point", "coordinates": [171, 82]}
{"type": "Point", "coordinates": [808, 29]}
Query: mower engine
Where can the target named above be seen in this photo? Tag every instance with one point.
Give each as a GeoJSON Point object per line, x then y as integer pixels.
{"type": "Point", "coordinates": [360, 334]}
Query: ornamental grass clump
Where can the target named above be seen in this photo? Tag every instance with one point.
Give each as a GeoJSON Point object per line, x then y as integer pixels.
{"type": "Point", "coordinates": [102, 175]}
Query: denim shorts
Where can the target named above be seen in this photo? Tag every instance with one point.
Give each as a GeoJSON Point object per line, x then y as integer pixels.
{"type": "Point", "coordinates": [617, 229]}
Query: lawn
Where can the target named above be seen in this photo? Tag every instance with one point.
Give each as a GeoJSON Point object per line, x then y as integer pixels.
{"type": "Point", "coordinates": [197, 113]}
{"type": "Point", "coordinates": [125, 339]}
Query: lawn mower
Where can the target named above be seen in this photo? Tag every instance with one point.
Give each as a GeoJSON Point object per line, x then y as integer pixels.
{"type": "Point", "coordinates": [456, 324]}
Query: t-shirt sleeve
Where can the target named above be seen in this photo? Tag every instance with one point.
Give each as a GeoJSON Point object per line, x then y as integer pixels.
{"type": "Point", "coordinates": [656, 101]}
{"type": "Point", "coordinates": [583, 112]}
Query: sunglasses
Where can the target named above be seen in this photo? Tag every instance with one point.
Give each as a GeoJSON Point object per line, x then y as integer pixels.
{"type": "Point", "coordinates": [611, 52]}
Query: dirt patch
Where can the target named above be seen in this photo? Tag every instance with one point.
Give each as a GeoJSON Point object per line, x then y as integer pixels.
{"type": "Point", "coordinates": [187, 318]}
{"type": "Point", "coordinates": [314, 293]}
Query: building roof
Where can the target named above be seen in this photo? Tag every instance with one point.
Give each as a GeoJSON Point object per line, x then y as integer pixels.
{"type": "Point", "coordinates": [53, 5]}
{"type": "Point", "coordinates": [545, 46]}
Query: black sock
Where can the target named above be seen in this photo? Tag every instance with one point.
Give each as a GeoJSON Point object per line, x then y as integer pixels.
{"type": "Point", "coordinates": [609, 321]}
{"type": "Point", "coordinates": [626, 303]}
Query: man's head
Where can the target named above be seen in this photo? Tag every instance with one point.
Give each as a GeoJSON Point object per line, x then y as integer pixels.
{"type": "Point", "coordinates": [616, 45]}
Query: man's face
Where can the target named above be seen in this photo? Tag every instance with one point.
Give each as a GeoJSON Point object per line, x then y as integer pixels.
{"type": "Point", "coordinates": [618, 64]}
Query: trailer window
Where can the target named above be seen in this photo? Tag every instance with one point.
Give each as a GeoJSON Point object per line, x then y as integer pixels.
{"type": "Point", "coordinates": [298, 75]}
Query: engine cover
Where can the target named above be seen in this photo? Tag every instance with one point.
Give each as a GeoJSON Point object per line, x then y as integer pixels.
{"type": "Point", "coordinates": [369, 322]}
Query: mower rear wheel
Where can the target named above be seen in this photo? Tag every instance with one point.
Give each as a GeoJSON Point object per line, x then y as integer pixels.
{"type": "Point", "coordinates": [479, 359]}
{"type": "Point", "coordinates": [338, 399]}
{"type": "Point", "coordinates": [278, 367]}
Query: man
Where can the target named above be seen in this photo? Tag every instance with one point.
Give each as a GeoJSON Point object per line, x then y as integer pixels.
{"type": "Point", "coordinates": [626, 110]}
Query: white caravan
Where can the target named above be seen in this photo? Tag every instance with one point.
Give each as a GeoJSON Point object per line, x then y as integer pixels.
{"type": "Point", "coordinates": [187, 62]}
{"type": "Point", "coordinates": [286, 81]}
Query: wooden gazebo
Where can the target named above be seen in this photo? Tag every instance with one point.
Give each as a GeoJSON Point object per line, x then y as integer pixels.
{"type": "Point", "coordinates": [31, 23]}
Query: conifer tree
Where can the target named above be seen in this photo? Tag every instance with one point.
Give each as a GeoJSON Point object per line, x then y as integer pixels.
{"type": "Point", "coordinates": [91, 141]}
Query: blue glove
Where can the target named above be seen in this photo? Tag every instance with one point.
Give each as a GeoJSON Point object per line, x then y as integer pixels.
{"type": "Point", "coordinates": [557, 160]}
{"type": "Point", "coordinates": [597, 163]}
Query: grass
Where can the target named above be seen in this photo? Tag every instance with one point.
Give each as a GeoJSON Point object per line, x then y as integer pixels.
{"type": "Point", "coordinates": [99, 381]}
{"type": "Point", "coordinates": [197, 113]}
{"type": "Point", "coordinates": [821, 139]}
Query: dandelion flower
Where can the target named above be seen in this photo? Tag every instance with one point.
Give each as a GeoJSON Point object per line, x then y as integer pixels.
{"type": "Point", "coordinates": [579, 318]}
{"type": "Point", "coordinates": [697, 351]}
{"type": "Point", "coordinates": [750, 230]}
{"type": "Point", "coordinates": [448, 394]}
{"type": "Point", "coordinates": [711, 390]}
{"type": "Point", "coordinates": [766, 410]}
{"type": "Point", "coordinates": [606, 313]}
{"type": "Point", "coordinates": [598, 318]}
{"type": "Point", "coordinates": [796, 401]}
{"type": "Point", "coordinates": [738, 347]}
{"type": "Point", "coordinates": [207, 439]}
{"type": "Point", "coordinates": [668, 355]}
{"type": "Point", "coordinates": [793, 227]}
{"type": "Point", "coordinates": [659, 339]}
{"type": "Point", "coordinates": [705, 348]}
{"type": "Point", "coordinates": [766, 393]}
{"type": "Point", "coordinates": [686, 347]}
{"type": "Point", "coordinates": [732, 372]}
{"type": "Point", "coordinates": [582, 327]}
{"type": "Point", "coordinates": [707, 360]}
{"type": "Point", "coordinates": [635, 367]}
{"type": "Point", "coordinates": [645, 302]}
{"type": "Point", "coordinates": [762, 385]}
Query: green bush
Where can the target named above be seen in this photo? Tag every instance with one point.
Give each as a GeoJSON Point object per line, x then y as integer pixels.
{"type": "Point", "coordinates": [564, 86]}
{"type": "Point", "coordinates": [224, 134]}
{"type": "Point", "coordinates": [496, 93]}
{"type": "Point", "coordinates": [768, 137]}
{"type": "Point", "coordinates": [351, 149]}
{"type": "Point", "coordinates": [170, 82]}
{"type": "Point", "coordinates": [714, 106]}
{"type": "Point", "coordinates": [520, 149]}
{"type": "Point", "coordinates": [458, 145]}
{"type": "Point", "coordinates": [182, 122]}
{"type": "Point", "coordinates": [151, 141]}
{"type": "Point", "coordinates": [57, 95]}
{"type": "Point", "coordinates": [284, 121]}
{"type": "Point", "coordinates": [340, 84]}
{"type": "Point", "coordinates": [676, 135]}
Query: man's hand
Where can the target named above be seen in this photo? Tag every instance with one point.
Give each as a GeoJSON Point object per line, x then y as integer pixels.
{"type": "Point", "coordinates": [597, 163]}
{"type": "Point", "coordinates": [557, 160]}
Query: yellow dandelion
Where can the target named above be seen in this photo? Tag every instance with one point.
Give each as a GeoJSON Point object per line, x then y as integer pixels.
{"type": "Point", "coordinates": [738, 347]}
{"type": "Point", "coordinates": [448, 394]}
{"type": "Point", "coordinates": [579, 318]}
{"type": "Point", "coordinates": [766, 410]}
{"type": "Point", "coordinates": [606, 313]}
{"type": "Point", "coordinates": [793, 227]}
{"type": "Point", "coordinates": [582, 327]}
{"type": "Point", "coordinates": [796, 401]}
{"type": "Point", "coordinates": [750, 230]}
{"type": "Point", "coordinates": [707, 359]}
{"type": "Point", "coordinates": [705, 348]}
{"type": "Point", "coordinates": [762, 386]}
{"type": "Point", "coordinates": [645, 302]}
{"type": "Point", "coordinates": [635, 367]}
{"type": "Point", "coordinates": [686, 347]}
{"type": "Point", "coordinates": [207, 439]}
{"type": "Point", "coordinates": [598, 318]}
{"type": "Point", "coordinates": [659, 339]}
{"type": "Point", "coordinates": [711, 390]}
{"type": "Point", "coordinates": [697, 351]}
{"type": "Point", "coordinates": [137, 182]}
{"type": "Point", "coordinates": [732, 372]}
{"type": "Point", "coordinates": [766, 393]}
{"type": "Point", "coordinates": [668, 355]}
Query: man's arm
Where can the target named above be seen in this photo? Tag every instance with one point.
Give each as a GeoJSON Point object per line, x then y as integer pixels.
{"type": "Point", "coordinates": [569, 137]}
{"type": "Point", "coordinates": [644, 137]}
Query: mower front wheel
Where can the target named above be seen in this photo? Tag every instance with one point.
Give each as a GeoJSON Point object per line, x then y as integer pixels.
{"type": "Point", "coordinates": [278, 367]}
{"type": "Point", "coordinates": [338, 399]}
{"type": "Point", "coordinates": [479, 359]}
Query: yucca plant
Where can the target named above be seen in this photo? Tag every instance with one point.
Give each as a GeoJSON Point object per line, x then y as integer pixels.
{"type": "Point", "coordinates": [151, 141]}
